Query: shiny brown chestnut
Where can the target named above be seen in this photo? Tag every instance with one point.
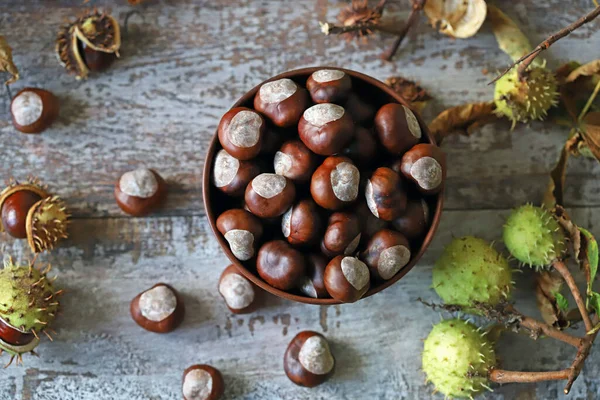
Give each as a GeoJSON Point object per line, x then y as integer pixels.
{"type": "Point", "coordinates": [241, 131]}
{"type": "Point", "coordinates": [313, 284]}
{"type": "Point", "coordinates": [242, 230]}
{"type": "Point", "coordinates": [385, 194]}
{"type": "Point", "coordinates": [308, 360]}
{"type": "Point", "coordinates": [329, 86]}
{"type": "Point", "coordinates": [301, 224]}
{"type": "Point", "coordinates": [361, 112]}
{"type": "Point", "coordinates": [397, 127]}
{"type": "Point", "coordinates": [33, 110]}
{"type": "Point", "coordinates": [342, 235]}
{"type": "Point", "coordinates": [363, 148]}
{"type": "Point", "coordinates": [335, 183]}
{"type": "Point", "coordinates": [274, 138]}
{"type": "Point", "coordinates": [231, 176]}
{"type": "Point", "coordinates": [414, 222]}
{"type": "Point", "coordinates": [326, 128]}
{"type": "Point", "coordinates": [269, 195]}
{"type": "Point", "coordinates": [280, 265]}
{"type": "Point", "coordinates": [282, 101]}
{"type": "Point", "coordinates": [15, 203]}
{"type": "Point", "coordinates": [140, 192]}
{"type": "Point", "coordinates": [158, 309]}
{"type": "Point", "coordinates": [369, 224]}
{"type": "Point", "coordinates": [387, 253]}
{"type": "Point", "coordinates": [425, 164]}
{"type": "Point", "coordinates": [347, 278]}
{"type": "Point", "coordinates": [237, 291]}
{"type": "Point", "coordinates": [295, 161]}
{"type": "Point", "coordinates": [202, 382]}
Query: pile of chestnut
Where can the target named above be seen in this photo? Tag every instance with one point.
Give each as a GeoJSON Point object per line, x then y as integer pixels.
{"type": "Point", "coordinates": [326, 194]}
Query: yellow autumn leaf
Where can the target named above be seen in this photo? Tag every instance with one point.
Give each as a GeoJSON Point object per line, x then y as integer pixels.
{"type": "Point", "coordinates": [464, 117]}
{"type": "Point", "coordinates": [510, 38]}
{"type": "Point", "coordinates": [6, 61]}
{"type": "Point", "coordinates": [591, 68]}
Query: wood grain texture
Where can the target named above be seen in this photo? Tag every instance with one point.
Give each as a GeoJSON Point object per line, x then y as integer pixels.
{"type": "Point", "coordinates": [182, 66]}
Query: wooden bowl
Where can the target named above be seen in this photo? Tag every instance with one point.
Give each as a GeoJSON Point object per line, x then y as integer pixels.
{"type": "Point", "coordinates": [215, 202]}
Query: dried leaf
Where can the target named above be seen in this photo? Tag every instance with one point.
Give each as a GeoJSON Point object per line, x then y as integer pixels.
{"type": "Point", "coordinates": [588, 69]}
{"type": "Point", "coordinates": [457, 18]}
{"type": "Point", "coordinates": [547, 285]}
{"type": "Point", "coordinates": [410, 91]}
{"type": "Point", "coordinates": [464, 117]}
{"type": "Point", "coordinates": [590, 130]}
{"type": "Point", "coordinates": [589, 257]}
{"type": "Point", "coordinates": [571, 230]}
{"type": "Point", "coordinates": [6, 61]}
{"type": "Point", "coordinates": [510, 38]}
{"type": "Point", "coordinates": [595, 302]}
{"type": "Point", "coordinates": [554, 192]}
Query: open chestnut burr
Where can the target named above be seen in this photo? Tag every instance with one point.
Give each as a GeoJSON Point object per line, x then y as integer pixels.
{"type": "Point", "coordinates": [363, 153]}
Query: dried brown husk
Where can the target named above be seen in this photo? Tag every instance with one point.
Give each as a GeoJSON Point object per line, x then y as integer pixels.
{"type": "Point", "coordinates": [547, 284]}
{"type": "Point", "coordinates": [457, 18]}
{"type": "Point", "coordinates": [46, 224]}
{"type": "Point", "coordinates": [359, 13]}
{"type": "Point", "coordinates": [6, 61]}
{"type": "Point", "coordinates": [410, 91]}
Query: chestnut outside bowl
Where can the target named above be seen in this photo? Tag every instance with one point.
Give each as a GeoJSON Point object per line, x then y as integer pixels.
{"type": "Point", "coordinates": [379, 93]}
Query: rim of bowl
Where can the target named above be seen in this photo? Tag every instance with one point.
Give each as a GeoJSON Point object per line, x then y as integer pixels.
{"type": "Point", "coordinates": [206, 190]}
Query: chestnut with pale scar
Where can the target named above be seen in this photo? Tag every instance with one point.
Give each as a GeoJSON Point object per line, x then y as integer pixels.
{"type": "Point", "coordinates": [308, 360]}
{"type": "Point", "coordinates": [242, 231]}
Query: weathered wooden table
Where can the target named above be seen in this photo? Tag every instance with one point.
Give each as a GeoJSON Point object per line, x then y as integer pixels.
{"type": "Point", "coordinates": [158, 106]}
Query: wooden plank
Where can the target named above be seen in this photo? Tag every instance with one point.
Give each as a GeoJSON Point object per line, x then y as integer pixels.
{"type": "Point", "coordinates": [100, 353]}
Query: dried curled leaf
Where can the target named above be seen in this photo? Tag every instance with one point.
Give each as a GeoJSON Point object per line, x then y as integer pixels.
{"type": "Point", "coordinates": [6, 61]}
{"type": "Point", "coordinates": [465, 118]}
{"type": "Point", "coordinates": [590, 130]}
{"type": "Point", "coordinates": [410, 91]}
{"type": "Point", "coordinates": [357, 13]}
{"type": "Point", "coordinates": [588, 69]}
{"type": "Point", "coordinates": [547, 285]}
{"type": "Point", "coordinates": [571, 230]}
{"type": "Point", "coordinates": [589, 257]}
{"type": "Point", "coordinates": [457, 18]}
{"type": "Point", "coordinates": [554, 192]}
{"type": "Point", "coordinates": [510, 38]}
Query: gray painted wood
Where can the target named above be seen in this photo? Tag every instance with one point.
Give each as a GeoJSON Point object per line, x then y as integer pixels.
{"type": "Point", "coordinates": [159, 105]}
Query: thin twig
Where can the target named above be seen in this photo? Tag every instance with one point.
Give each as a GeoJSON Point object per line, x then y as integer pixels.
{"type": "Point", "coordinates": [503, 376]}
{"type": "Point", "coordinates": [379, 7]}
{"type": "Point", "coordinates": [550, 331]}
{"type": "Point", "coordinates": [589, 102]}
{"type": "Point", "coordinates": [578, 363]}
{"type": "Point", "coordinates": [566, 274]}
{"type": "Point", "coordinates": [417, 6]}
{"type": "Point", "coordinates": [528, 58]}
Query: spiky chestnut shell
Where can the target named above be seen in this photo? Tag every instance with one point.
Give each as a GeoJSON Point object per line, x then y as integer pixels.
{"type": "Point", "coordinates": [527, 99]}
{"type": "Point", "coordinates": [89, 43]}
{"type": "Point", "coordinates": [471, 270]}
{"type": "Point", "coordinates": [533, 236]}
{"type": "Point", "coordinates": [15, 202]}
{"type": "Point", "coordinates": [46, 224]}
{"type": "Point", "coordinates": [457, 358]}
{"type": "Point", "coordinates": [28, 304]}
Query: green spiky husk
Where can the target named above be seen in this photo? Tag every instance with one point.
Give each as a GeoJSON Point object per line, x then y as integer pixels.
{"type": "Point", "coordinates": [27, 298]}
{"type": "Point", "coordinates": [528, 99]}
{"type": "Point", "coordinates": [533, 236]}
{"type": "Point", "coordinates": [457, 358]}
{"type": "Point", "coordinates": [469, 271]}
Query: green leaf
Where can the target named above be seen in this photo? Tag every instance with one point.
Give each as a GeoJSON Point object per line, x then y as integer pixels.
{"type": "Point", "coordinates": [561, 302]}
{"type": "Point", "coordinates": [595, 302]}
{"type": "Point", "coordinates": [592, 256]}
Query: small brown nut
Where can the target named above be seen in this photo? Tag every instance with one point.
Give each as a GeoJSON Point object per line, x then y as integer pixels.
{"type": "Point", "coordinates": [202, 382]}
{"type": "Point", "coordinates": [280, 265]}
{"type": "Point", "coordinates": [231, 176]}
{"type": "Point", "coordinates": [313, 284]}
{"type": "Point", "coordinates": [361, 112]}
{"type": "Point", "coordinates": [308, 360]}
{"type": "Point", "coordinates": [295, 161]}
{"type": "Point", "coordinates": [326, 128]}
{"type": "Point", "coordinates": [237, 291]}
{"type": "Point", "coordinates": [33, 110]}
{"type": "Point", "coordinates": [397, 127]}
{"type": "Point", "coordinates": [140, 192]}
{"type": "Point", "coordinates": [347, 279]}
{"type": "Point", "coordinates": [242, 230]}
{"type": "Point", "coordinates": [158, 309]}
{"type": "Point", "coordinates": [301, 224]}
{"type": "Point", "coordinates": [363, 148]}
{"type": "Point", "coordinates": [369, 224]}
{"type": "Point", "coordinates": [342, 235]}
{"type": "Point", "coordinates": [329, 86]}
{"type": "Point", "coordinates": [385, 194]}
{"type": "Point", "coordinates": [414, 222]}
{"type": "Point", "coordinates": [335, 183]}
{"type": "Point", "coordinates": [241, 131]}
{"type": "Point", "coordinates": [270, 195]}
{"type": "Point", "coordinates": [387, 253]}
{"type": "Point", "coordinates": [282, 101]}
{"type": "Point", "coordinates": [274, 137]}
{"type": "Point", "coordinates": [425, 164]}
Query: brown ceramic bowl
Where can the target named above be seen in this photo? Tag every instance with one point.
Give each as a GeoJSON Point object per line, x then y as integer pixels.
{"type": "Point", "coordinates": [215, 202]}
